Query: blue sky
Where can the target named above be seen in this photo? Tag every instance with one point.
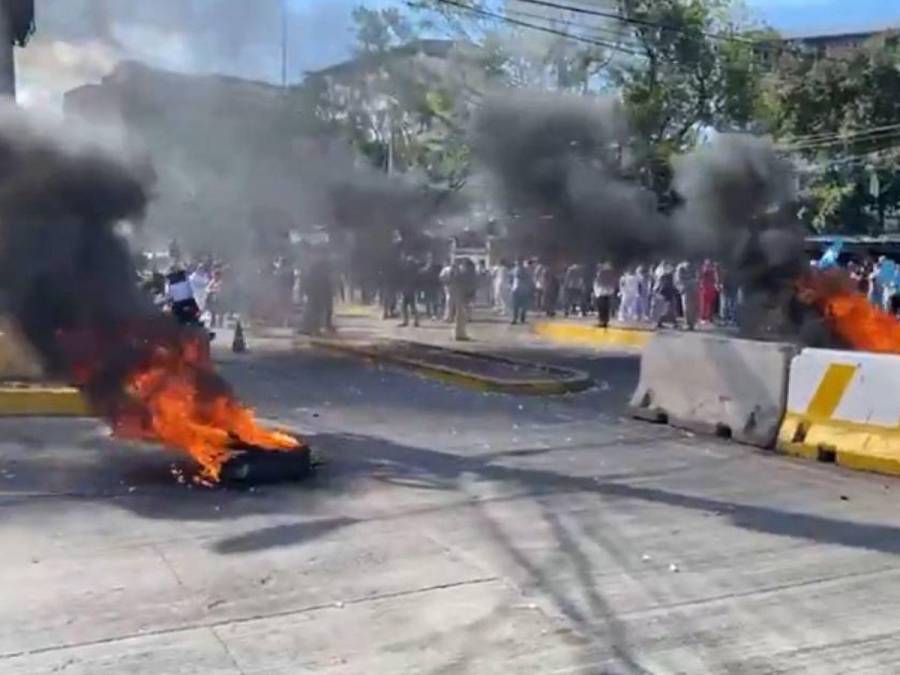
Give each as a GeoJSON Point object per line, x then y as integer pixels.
{"type": "Point", "coordinates": [790, 16]}
{"type": "Point", "coordinates": [243, 37]}
{"type": "Point", "coordinates": [802, 17]}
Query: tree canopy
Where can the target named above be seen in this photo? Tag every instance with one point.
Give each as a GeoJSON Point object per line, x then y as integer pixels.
{"type": "Point", "coordinates": [681, 69]}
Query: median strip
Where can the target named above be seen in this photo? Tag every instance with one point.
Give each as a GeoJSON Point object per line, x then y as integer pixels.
{"type": "Point", "coordinates": [483, 372]}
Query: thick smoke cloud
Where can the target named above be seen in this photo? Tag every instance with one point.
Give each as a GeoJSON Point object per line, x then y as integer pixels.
{"type": "Point", "coordinates": [63, 267]}
{"type": "Point", "coordinates": [66, 275]}
{"type": "Point", "coordinates": [559, 165]}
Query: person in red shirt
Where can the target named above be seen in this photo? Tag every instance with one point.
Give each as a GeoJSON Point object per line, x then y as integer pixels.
{"type": "Point", "coordinates": [709, 291]}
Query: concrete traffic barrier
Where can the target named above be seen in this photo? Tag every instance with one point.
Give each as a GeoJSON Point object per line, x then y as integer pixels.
{"type": "Point", "coordinates": [23, 389]}
{"type": "Point", "coordinates": [714, 384]}
{"type": "Point", "coordinates": [844, 407]}
{"type": "Point", "coordinates": [18, 360]}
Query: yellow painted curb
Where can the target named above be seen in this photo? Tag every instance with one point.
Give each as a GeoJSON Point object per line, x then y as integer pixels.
{"type": "Point", "coordinates": [566, 332]}
{"type": "Point", "coordinates": [572, 380]}
{"type": "Point", "coordinates": [356, 311]}
{"type": "Point", "coordinates": [864, 447]}
{"type": "Point", "coordinates": [42, 401]}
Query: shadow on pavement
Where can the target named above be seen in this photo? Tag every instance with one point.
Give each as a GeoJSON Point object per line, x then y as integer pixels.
{"type": "Point", "coordinates": [142, 483]}
{"type": "Point", "coordinates": [281, 536]}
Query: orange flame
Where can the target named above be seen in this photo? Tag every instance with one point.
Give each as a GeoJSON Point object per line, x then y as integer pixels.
{"type": "Point", "coordinates": [180, 412]}
{"type": "Point", "coordinates": [173, 395]}
{"type": "Point", "coordinates": [849, 314]}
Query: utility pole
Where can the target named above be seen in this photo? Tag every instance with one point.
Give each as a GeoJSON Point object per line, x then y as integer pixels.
{"type": "Point", "coordinates": [16, 27]}
{"type": "Point", "coordinates": [284, 44]}
{"type": "Point", "coordinates": [7, 51]}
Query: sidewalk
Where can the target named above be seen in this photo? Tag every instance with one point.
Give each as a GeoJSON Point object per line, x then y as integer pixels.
{"type": "Point", "coordinates": [486, 330]}
{"type": "Point", "coordinates": [489, 330]}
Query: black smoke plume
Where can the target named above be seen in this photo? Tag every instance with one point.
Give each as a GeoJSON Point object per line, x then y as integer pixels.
{"type": "Point", "coordinates": [66, 274]}
{"type": "Point", "coordinates": [562, 166]}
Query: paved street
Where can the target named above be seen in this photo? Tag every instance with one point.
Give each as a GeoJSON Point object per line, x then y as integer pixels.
{"type": "Point", "coordinates": [448, 531]}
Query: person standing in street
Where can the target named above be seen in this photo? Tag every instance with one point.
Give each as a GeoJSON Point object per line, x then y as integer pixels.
{"type": "Point", "coordinates": [462, 286]}
{"type": "Point", "coordinates": [430, 285]}
{"type": "Point", "coordinates": [200, 280]}
{"type": "Point", "coordinates": [665, 295]}
{"type": "Point", "coordinates": [446, 280]}
{"type": "Point", "coordinates": [409, 289]}
{"type": "Point", "coordinates": [630, 296]}
{"type": "Point", "coordinates": [503, 288]}
{"type": "Point", "coordinates": [687, 285]}
{"type": "Point", "coordinates": [551, 291]}
{"type": "Point", "coordinates": [645, 293]}
{"type": "Point", "coordinates": [539, 276]}
{"type": "Point", "coordinates": [604, 289]}
{"type": "Point", "coordinates": [709, 291]}
{"type": "Point", "coordinates": [522, 292]}
{"type": "Point", "coordinates": [573, 289]}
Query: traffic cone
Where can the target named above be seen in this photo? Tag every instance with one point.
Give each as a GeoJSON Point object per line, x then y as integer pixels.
{"type": "Point", "coordinates": [239, 345]}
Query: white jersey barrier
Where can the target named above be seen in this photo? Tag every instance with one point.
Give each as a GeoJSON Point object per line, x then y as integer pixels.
{"type": "Point", "coordinates": [844, 407]}
{"type": "Point", "coordinates": [714, 384]}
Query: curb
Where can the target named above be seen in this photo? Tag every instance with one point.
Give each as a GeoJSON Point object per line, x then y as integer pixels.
{"type": "Point", "coordinates": [27, 400]}
{"type": "Point", "coordinates": [591, 336]}
{"type": "Point", "coordinates": [354, 311]}
{"type": "Point", "coordinates": [861, 447]}
{"type": "Point", "coordinates": [572, 381]}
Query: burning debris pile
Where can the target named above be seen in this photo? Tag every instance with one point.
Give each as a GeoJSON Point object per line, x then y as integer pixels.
{"type": "Point", "coordinates": [855, 321]}
{"type": "Point", "coordinates": [67, 280]}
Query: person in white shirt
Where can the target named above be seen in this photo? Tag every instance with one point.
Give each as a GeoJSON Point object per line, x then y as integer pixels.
{"type": "Point", "coordinates": [200, 281]}
{"type": "Point", "coordinates": [502, 289]}
{"type": "Point", "coordinates": [180, 295]}
{"type": "Point", "coordinates": [630, 293]}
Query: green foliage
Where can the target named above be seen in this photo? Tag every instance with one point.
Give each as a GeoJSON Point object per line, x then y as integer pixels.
{"type": "Point", "coordinates": [833, 111]}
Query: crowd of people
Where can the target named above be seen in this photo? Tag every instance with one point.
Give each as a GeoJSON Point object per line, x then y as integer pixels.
{"type": "Point", "coordinates": [662, 294]}
{"type": "Point", "coordinates": [879, 280]}
{"type": "Point", "coordinates": [192, 292]}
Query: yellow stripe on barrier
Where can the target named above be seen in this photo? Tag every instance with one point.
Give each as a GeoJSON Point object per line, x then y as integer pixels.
{"type": "Point", "coordinates": [830, 391]}
{"type": "Point", "coordinates": [854, 444]}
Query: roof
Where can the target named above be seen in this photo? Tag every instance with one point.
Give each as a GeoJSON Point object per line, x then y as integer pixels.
{"type": "Point", "coordinates": [431, 47]}
{"type": "Point", "coordinates": [839, 37]}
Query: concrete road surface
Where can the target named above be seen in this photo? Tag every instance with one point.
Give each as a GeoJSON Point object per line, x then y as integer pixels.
{"type": "Point", "coordinates": [449, 532]}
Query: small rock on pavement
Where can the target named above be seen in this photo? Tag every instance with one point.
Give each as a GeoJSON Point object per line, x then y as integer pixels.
{"type": "Point", "coordinates": [845, 498]}
{"type": "Point", "coordinates": [646, 558]}
{"type": "Point", "coordinates": [673, 567]}
{"type": "Point", "coordinates": [339, 604]}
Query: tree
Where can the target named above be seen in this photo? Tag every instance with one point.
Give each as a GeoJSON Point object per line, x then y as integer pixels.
{"type": "Point", "coordinates": [403, 102]}
{"type": "Point", "coordinates": [842, 115]}
{"type": "Point", "coordinates": [680, 67]}
{"type": "Point", "coordinates": [696, 72]}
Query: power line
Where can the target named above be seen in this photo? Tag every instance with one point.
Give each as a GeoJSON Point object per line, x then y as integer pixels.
{"type": "Point", "coordinates": [757, 44]}
{"type": "Point", "coordinates": [611, 33]}
{"type": "Point", "coordinates": [870, 137]}
{"type": "Point", "coordinates": [546, 29]}
{"type": "Point", "coordinates": [839, 134]}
